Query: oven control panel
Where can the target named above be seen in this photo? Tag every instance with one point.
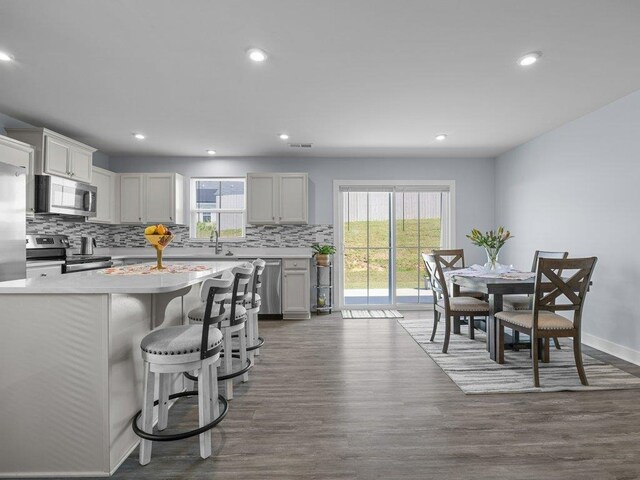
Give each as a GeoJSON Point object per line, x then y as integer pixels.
{"type": "Point", "coordinates": [47, 241]}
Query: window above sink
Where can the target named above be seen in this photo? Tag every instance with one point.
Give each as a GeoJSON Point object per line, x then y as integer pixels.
{"type": "Point", "coordinates": [217, 204]}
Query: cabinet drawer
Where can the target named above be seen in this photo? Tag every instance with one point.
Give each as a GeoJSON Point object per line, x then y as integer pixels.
{"type": "Point", "coordinates": [49, 271]}
{"type": "Point", "coordinates": [295, 264]}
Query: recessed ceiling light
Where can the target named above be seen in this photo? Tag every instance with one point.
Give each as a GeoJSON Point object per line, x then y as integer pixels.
{"type": "Point", "coordinates": [441, 137]}
{"type": "Point", "coordinates": [5, 57]}
{"type": "Point", "coordinates": [211, 152]}
{"type": "Point", "coordinates": [284, 136]}
{"type": "Point", "coordinates": [257, 55]}
{"type": "Point", "coordinates": [139, 136]}
{"type": "Point", "coordinates": [529, 59]}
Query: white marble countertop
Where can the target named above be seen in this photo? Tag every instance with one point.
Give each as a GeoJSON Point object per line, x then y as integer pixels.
{"type": "Point", "coordinates": [205, 252]}
{"type": "Point", "coordinates": [93, 282]}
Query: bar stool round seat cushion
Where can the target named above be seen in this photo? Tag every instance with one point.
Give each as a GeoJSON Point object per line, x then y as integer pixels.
{"type": "Point", "coordinates": [546, 320]}
{"type": "Point", "coordinates": [516, 302]}
{"type": "Point", "coordinates": [179, 341]}
{"type": "Point", "coordinates": [197, 314]}
{"type": "Point", "coordinates": [464, 304]}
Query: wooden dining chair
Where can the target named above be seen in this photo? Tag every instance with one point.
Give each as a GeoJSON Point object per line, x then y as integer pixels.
{"type": "Point", "coordinates": [552, 293]}
{"type": "Point", "coordinates": [454, 258]}
{"type": "Point", "coordinates": [450, 307]}
{"type": "Point", "coordinates": [525, 302]}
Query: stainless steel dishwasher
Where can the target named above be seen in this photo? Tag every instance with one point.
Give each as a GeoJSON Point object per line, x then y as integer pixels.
{"type": "Point", "coordinates": [271, 289]}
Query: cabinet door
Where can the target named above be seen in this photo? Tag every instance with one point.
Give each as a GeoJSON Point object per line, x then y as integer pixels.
{"type": "Point", "coordinates": [103, 181]}
{"type": "Point", "coordinates": [295, 292]}
{"type": "Point", "coordinates": [131, 186]}
{"type": "Point", "coordinates": [57, 157]}
{"type": "Point", "coordinates": [160, 198]}
{"type": "Point", "coordinates": [261, 198]}
{"type": "Point", "coordinates": [294, 205]}
{"type": "Point", "coordinates": [81, 164]}
{"type": "Point", "coordinates": [21, 156]}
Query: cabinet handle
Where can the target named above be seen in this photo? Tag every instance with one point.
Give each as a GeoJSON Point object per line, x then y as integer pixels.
{"type": "Point", "coordinates": [273, 218]}
{"type": "Point", "coordinates": [43, 274]}
{"type": "Point", "coordinates": [295, 264]}
{"type": "Point", "coordinates": [140, 218]}
{"type": "Point", "coordinates": [170, 218]}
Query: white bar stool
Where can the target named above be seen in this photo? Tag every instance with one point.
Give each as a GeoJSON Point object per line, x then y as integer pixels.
{"type": "Point", "coordinates": [233, 324]}
{"type": "Point", "coordinates": [179, 349]}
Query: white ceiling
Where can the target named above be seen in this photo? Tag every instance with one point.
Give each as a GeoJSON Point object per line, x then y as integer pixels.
{"type": "Point", "coordinates": [356, 78]}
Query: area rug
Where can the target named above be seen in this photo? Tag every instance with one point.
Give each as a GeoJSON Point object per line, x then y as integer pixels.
{"type": "Point", "coordinates": [467, 363]}
{"type": "Point", "coordinates": [371, 314]}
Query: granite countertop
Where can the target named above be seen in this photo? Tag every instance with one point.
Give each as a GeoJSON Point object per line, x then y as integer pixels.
{"type": "Point", "coordinates": [205, 253]}
{"type": "Point", "coordinates": [94, 282]}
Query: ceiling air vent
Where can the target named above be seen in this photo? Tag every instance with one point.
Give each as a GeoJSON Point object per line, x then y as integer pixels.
{"type": "Point", "coordinates": [301, 145]}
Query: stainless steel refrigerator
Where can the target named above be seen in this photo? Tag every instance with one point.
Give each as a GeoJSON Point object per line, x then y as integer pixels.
{"type": "Point", "coordinates": [13, 262]}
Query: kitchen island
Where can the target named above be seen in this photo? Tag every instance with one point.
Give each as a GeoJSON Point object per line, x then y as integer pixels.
{"type": "Point", "coordinates": [70, 365]}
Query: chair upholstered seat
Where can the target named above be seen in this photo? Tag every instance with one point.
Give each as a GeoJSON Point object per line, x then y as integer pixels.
{"type": "Point", "coordinates": [197, 314]}
{"type": "Point", "coordinates": [179, 340]}
{"type": "Point", "coordinates": [464, 304]}
{"type": "Point", "coordinates": [546, 320]}
{"type": "Point", "coordinates": [516, 302]}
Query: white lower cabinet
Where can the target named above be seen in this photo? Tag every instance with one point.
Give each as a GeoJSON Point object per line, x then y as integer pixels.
{"type": "Point", "coordinates": [45, 271]}
{"type": "Point", "coordinates": [296, 297]}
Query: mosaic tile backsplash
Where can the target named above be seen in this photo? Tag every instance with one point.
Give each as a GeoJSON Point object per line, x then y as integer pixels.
{"type": "Point", "coordinates": [131, 235]}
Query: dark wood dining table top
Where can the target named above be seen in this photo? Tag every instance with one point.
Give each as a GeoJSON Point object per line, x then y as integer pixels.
{"type": "Point", "coordinates": [496, 285]}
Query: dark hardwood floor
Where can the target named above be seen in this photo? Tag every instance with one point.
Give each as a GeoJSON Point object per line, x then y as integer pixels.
{"type": "Point", "coordinates": [358, 399]}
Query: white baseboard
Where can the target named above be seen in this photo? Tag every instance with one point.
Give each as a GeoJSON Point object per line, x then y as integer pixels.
{"type": "Point", "coordinates": [625, 353]}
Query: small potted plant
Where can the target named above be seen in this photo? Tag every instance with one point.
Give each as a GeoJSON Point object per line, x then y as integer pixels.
{"type": "Point", "coordinates": [323, 253]}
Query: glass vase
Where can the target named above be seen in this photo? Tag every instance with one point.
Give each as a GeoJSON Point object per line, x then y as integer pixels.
{"type": "Point", "coordinates": [492, 258]}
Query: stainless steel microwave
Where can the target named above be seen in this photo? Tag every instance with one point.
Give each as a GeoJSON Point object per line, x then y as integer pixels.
{"type": "Point", "coordinates": [61, 196]}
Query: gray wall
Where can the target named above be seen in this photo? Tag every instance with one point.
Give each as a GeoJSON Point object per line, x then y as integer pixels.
{"type": "Point", "coordinates": [99, 159]}
{"type": "Point", "coordinates": [474, 180]}
{"type": "Point", "coordinates": [576, 189]}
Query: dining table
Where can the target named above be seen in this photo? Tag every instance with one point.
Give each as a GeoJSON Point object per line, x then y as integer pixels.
{"type": "Point", "coordinates": [495, 288]}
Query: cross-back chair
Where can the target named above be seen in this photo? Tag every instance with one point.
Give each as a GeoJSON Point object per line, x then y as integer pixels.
{"type": "Point", "coordinates": [553, 293]}
{"type": "Point", "coordinates": [450, 307]}
{"type": "Point", "coordinates": [525, 302]}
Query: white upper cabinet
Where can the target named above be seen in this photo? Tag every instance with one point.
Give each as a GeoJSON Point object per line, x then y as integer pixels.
{"type": "Point", "coordinates": [106, 183]}
{"type": "Point", "coordinates": [131, 197]}
{"type": "Point", "coordinates": [20, 154]}
{"type": "Point", "coordinates": [81, 166]}
{"type": "Point", "coordinates": [151, 198]}
{"type": "Point", "coordinates": [261, 198]}
{"type": "Point", "coordinates": [57, 157]}
{"type": "Point", "coordinates": [56, 154]}
{"type": "Point", "coordinates": [294, 203]}
{"type": "Point", "coordinates": [160, 197]}
{"type": "Point", "coordinates": [277, 198]}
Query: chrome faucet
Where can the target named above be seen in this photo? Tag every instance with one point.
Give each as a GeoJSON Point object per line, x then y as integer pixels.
{"type": "Point", "coordinates": [218, 250]}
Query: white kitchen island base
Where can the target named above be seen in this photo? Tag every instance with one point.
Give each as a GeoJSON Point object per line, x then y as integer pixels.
{"type": "Point", "coordinates": [71, 371]}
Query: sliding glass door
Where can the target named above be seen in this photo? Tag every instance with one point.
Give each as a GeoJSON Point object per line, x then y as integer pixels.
{"type": "Point", "coordinates": [367, 247]}
{"type": "Point", "coordinates": [384, 229]}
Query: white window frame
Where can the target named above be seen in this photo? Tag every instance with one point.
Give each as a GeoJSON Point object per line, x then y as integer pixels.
{"type": "Point", "coordinates": [193, 211]}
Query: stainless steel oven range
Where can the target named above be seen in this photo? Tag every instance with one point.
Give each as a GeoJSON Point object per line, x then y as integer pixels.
{"type": "Point", "coordinates": [54, 248]}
